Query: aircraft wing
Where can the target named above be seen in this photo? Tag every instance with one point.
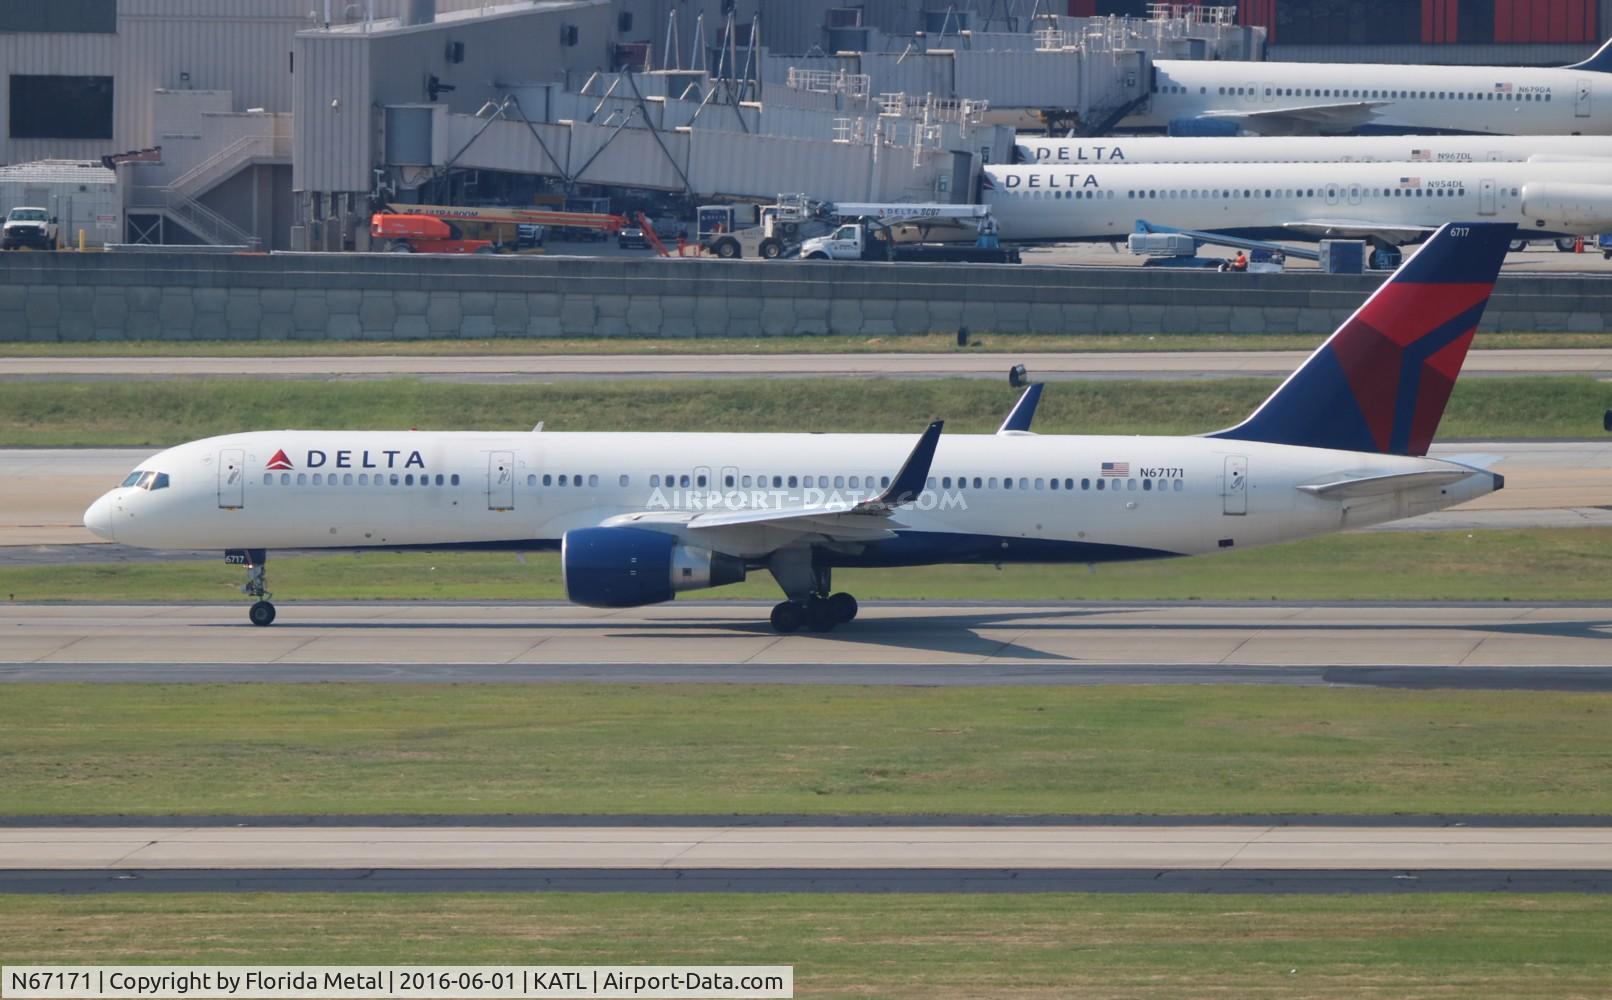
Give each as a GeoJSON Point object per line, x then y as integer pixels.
{"type": "Point", "coordinates": [836, 518]}
{"type": "Point", "coordinates": [1312, 119]}
{"type": "Point", "coordinates": [1346, 487]}
{"type": "Point", "coordinates": [1391, 232]}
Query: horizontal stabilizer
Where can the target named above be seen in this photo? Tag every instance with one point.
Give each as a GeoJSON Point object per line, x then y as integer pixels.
{"type": "Point", "coordinates": [1392, 232]}
{"type": "Point", "coordinates": [1376, 486]}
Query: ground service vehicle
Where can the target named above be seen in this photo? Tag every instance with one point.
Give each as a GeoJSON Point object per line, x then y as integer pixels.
{"type": "Point", "coordinates": [28, 227]}
{"type": "Point", "coordinates": [423, 234]}
{"type": "Point", "coordinates": [869, 239]}
{"type": "Point", "coordinates": [447, 229]}
{"type": "Point", "coordinates": [768, 232]}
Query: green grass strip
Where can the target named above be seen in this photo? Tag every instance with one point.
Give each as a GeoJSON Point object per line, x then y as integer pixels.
{"type": "Point", "coordinates": [168, 412]}
{"type": "Point", "coordinates": [153, 749]}
{"type": "Point", "coordinates": [901, 946]}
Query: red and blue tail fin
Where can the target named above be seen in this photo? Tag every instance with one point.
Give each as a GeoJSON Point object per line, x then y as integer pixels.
{"type": "Point", "coordinates": [1600, 62]}
{"type": "Point", "coordinates": [1380, 383]}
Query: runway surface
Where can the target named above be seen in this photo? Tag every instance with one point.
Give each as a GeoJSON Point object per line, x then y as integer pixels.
{"type": "Point", "coordinates": [802, 858]}
{"type": "Point", "coordinates": [832, 847]}
{"type": "Point", "coordinates": [1487, 646]}
{"type": "Point", "coordinates": [44, 491]}
{"type": "Point", "coordinates": [554, 367]}
{"type": "Point", "coordinates": [860, 880]}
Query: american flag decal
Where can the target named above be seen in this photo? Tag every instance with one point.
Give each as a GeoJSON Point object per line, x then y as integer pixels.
{"type": "Point", "coordinates": [1116, 469]}
{"type": "Point", "coordinates": [1421, 154]}
{"type": "Point", "coordinates": [1410, 182]}
{"type": "Point", "coordinates": [1503, 88]}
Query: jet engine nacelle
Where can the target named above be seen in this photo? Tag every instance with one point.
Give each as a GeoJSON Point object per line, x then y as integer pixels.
{"type": "Point", "coordinates": [1583, 209]}
{"type": "Point", "coordinates": [629, 567]}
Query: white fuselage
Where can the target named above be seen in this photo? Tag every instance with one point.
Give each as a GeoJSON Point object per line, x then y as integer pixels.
{"type": "Point", "coordinates": [991, 498]}
{"type": "Point", "coordinates": [1308, 149]}
{"type": "Point", "coordinates": [1485, 100]}
{"type": "Point", "coordinates": [1078, 202]}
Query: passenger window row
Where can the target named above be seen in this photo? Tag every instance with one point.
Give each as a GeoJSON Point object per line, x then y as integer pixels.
{"type": "Point", "coordinates": [1369, 95]}
{"type": "Point", "coordinates": [360, 479]}
{"type": "Point", "coordinates": [1067, 485]}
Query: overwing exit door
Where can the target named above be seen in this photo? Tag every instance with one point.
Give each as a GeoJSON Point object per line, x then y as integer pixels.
{"type": "Point", "coordinates": [232, 478]}
{"type": "Point", "coordinates": [1235, 490]}
{"type": "Point", "coordinates": [501, 480]}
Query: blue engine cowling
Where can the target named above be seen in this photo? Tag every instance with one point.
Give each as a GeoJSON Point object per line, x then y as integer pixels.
{"type": "Point", "coordinates": [629, 567]}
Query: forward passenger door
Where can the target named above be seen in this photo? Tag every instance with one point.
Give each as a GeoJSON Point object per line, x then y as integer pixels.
{"type": "Point", "coordinates": [501, 480]}
{"type": "Point", "coordinates": [232, 479]}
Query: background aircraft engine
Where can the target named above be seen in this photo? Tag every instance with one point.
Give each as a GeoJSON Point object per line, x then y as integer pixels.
{"type": "Point", "coordinates": [1573, 208]}
{"type": "Point", "coordinates": [628, 567]}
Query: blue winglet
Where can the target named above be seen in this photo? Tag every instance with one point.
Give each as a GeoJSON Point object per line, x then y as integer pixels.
{"type": "Point", "coordinates": [914, 474]}
{"type": "Point", "coordinates": [1018, 419]}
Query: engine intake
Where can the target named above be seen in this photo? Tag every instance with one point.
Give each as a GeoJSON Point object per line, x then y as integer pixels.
{"type": "Point", "coordinates": [630, 567]}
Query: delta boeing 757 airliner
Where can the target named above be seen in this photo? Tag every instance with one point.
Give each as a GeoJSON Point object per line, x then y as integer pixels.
{"type": "Point", "coordinates": [639, 518]}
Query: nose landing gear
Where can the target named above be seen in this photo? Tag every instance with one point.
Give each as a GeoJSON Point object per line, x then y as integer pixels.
{"type": "Point", "coordinates": [257, 583]}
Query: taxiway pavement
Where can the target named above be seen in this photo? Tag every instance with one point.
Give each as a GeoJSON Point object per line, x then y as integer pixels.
{"type": "Point", "coordinates": [994, 858]}
{"type": "Point", "coordinates": [1493, 646]}
{"type": "Point", "coordinates": [958, 364]}
{"type": "Point", "coordinates": [797, 847]}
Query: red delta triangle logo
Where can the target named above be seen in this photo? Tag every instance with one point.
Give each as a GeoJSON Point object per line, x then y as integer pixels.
{"type": "Point", "coordinates": [279, 461]}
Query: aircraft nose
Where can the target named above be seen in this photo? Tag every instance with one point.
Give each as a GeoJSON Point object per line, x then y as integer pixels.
{"type": "Point", "coordinates": [99, 517]}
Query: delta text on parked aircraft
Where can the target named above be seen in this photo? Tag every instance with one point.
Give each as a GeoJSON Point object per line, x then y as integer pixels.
{"type": "Point", "coordinates": [1310, 149]}
{"type": "Point", "coordinates": [639, 518]}
{"type": "Point", "coordinates": [1273, 98]}
{"type": "Point", "coordinates": [1387, 203]}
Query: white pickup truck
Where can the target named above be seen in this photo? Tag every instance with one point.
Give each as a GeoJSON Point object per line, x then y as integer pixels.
{"type": "Point", "coordinates": [28, 227]}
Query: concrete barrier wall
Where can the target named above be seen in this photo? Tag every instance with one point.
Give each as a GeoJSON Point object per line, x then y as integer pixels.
{"type": "Point", "coordinates": [115, 296]}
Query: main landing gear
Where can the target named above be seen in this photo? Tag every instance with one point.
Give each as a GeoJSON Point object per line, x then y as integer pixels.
{"type": "Point", "coordinates": [257, 582]}
{"type": "Point", "coordinates": [810, 605]}
{"type": "Point", "coordinates": [817, 613]}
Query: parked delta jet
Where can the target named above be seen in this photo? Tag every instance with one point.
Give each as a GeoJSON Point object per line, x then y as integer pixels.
{"type": "Point", "coordinates": [1387, 203]}
{"type": "Point", "coordinates": [1273, 98]}
{"type": "Point", "coordinates": [1311, 149]}
{"type": "Point", "coordinates": [639, 518]}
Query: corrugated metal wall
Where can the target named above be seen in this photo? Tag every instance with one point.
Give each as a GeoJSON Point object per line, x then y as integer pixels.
{"type": "Point", "coordinates": [334, 119]}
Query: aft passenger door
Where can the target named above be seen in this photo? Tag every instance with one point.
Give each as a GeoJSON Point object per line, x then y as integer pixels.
{"type": "Point", "coordinates": [1234, 491]}
{"type": "Point", "coordinates": [1581, 100]}
{"type": "Point", "coordinates": [1486, 199]}
{"type": "Point", "coordinates": [232, 479]}
{"type": "Point", "coordinates": [501, 480]}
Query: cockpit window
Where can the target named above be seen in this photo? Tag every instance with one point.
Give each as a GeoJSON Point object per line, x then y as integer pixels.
{"type": "Point", "coordinates": [147, 480]}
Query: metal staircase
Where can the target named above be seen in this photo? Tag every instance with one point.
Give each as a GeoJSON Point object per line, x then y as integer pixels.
{"type": "Point", "coordinates": [179, 200]}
